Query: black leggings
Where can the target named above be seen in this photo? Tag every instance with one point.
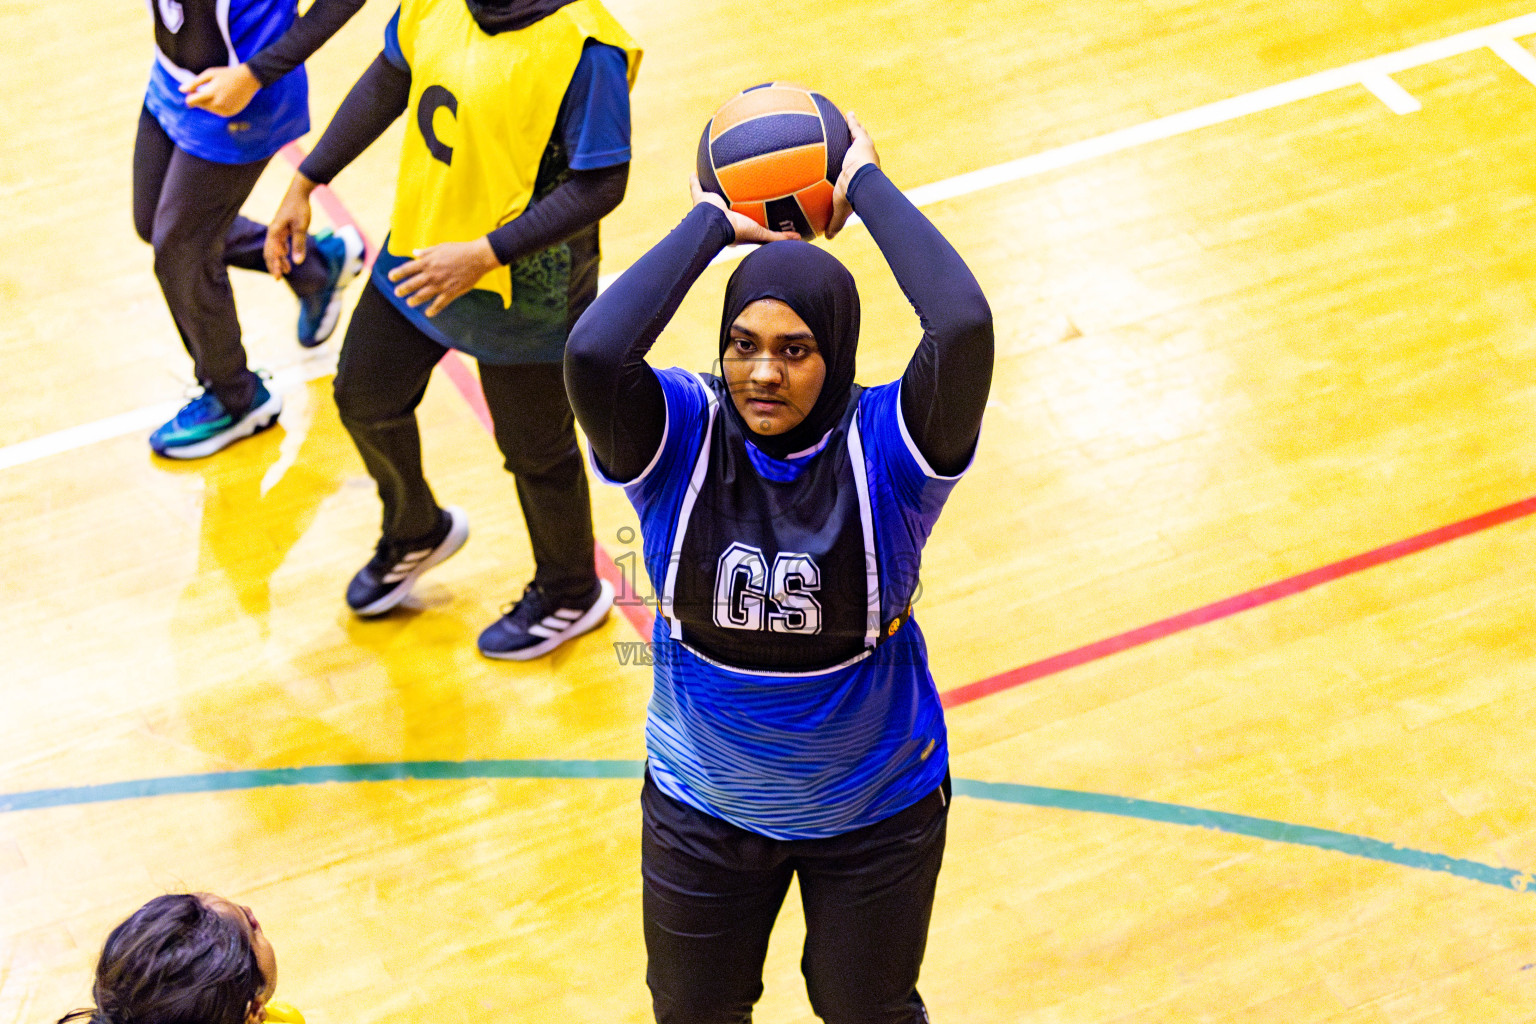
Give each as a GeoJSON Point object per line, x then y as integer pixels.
{"type": "Point", "coordinates": [383, 372]}
{"type": "Point", "coordinates": [712, 892]}
{"type": "Point", "coordinates": [188, 208]}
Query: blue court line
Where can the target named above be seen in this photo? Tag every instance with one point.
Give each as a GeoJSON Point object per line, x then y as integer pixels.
{"type": "Point", "coordinates": [1002, 792]}
{"type": "Point", "coordinates": [1243, 825]}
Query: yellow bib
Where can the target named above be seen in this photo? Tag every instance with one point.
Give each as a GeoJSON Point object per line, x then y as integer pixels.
{"type": "Point", "coordinates": [481, 112]}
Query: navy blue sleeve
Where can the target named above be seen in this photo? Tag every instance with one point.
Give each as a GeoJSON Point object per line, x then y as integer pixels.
{"type": "Point", "coordinates": [306, 35]}
{"type": "Point", "coordinates": [615, 394]}
{"type": "Point", "coordinates": [378, 97]}
{"type": "Point", "coordinates": [594, 116]}
{"type": "Point", "coordinates": [584, 198]}
{"type": "Point", "coordinates": [944, 388]}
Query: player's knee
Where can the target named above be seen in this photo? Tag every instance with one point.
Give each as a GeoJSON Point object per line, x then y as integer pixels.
{"type": "Point", "coordinates": [144, 224]}
{"type": "Point", "coordinates": [179, 253]}
{"type": "Point", "coordinates": [365, 401]}
{"type": "Point", "coordinates": [355, 403]}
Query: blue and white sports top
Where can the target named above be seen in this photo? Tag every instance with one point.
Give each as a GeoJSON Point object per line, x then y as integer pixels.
{"type": "Point", "coordinates": [816, 556]}
{"type": "Point", "coordinates": [192, 36]}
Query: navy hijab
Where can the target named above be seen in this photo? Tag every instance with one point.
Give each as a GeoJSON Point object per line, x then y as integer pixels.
{"type": "Point", "coordinates": [497, 16]}
{"type": "Point", "coordinates": [820, 290]}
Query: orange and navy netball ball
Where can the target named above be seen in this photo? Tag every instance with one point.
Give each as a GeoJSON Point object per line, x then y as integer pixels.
{"type": "Point", "coordinates": [774, 152]}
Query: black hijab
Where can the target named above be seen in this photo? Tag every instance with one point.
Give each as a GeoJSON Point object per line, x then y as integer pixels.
{"type": "Point", "coordinates": [497, 16]}
{"type": "Point", "coordinates": [820, 290]}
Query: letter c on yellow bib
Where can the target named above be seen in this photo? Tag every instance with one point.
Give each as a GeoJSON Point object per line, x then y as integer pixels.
{"type": "Point", "coordinates": [433, 99]}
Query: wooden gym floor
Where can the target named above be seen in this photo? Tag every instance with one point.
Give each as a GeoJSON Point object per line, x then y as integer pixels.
{"type": "Point", "coordinates": [1233, 612]}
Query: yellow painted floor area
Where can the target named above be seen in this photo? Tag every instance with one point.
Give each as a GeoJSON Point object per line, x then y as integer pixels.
{"type": "Point", "coordinates": [1225, 358]}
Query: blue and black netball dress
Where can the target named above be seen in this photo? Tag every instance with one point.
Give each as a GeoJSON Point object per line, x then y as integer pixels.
{"type": "Point", "coordinates": [794, 729]}
{"type": "Point", "coordinates": [807, 564]}
{"type": "Point", "coordinates": [792, 691]}
{"type": "Point", "coordinates": [192, 36]}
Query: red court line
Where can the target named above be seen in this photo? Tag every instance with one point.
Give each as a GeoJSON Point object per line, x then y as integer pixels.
{"type": "Point", "coordinates": [1240, 603]}
{"type": "Point", "coordinates": [641, 618]}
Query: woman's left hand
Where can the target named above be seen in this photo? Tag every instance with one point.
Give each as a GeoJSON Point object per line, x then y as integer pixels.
{"type": "Point", "coordinates": [222, 91]}
{"type": "Point", "coordinates": [860, 152]}
{"type": "Point", "coordinates": [442, 273]}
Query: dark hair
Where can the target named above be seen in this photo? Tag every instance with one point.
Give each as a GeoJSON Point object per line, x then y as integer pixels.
{"type": "Point", "coordinates": [174, 961]}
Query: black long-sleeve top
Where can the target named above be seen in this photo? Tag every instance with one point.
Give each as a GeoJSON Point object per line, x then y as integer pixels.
{"type": "Point", "coordinates": [381, 95]}
{"type": "Point", "coordinates": [306, 35]}
{"type": "Point", "coordinates": [618, 399]}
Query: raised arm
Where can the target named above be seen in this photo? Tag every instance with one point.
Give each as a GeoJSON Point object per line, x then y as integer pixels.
{"type": "Point", "coordinates": [944, 388]}
{"type": "Point", "coordinates": [615, 394]}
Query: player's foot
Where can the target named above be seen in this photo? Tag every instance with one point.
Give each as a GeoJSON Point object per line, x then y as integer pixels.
{"type": "Point", "coordinates": [342, 251]}
{"type": "Point", "coordinates": [204, 426]}
{"type": "Point", "coordinates": [389, 575]}
{"type": "Point", "coordinates": [536, 625]}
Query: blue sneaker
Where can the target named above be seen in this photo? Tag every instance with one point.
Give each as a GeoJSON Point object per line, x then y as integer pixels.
{"type": "Point", "coordinates": [342, 251]}
{"type": "Point", "coordinates": [204, 426]}
{"type": "Point", "coordinates": [534, 626]}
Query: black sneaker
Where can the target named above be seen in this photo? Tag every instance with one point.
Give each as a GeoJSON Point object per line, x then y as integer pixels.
{"type": "Point", "coordinates": [534, 626]}
{"type": "Point", "coordinates": [387, 578]}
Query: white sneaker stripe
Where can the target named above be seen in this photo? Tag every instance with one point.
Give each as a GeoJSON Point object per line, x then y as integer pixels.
{"type": "Point", "coordinates": [407, 565]}
{"type": "Point", "coordinates": [570, 614]}
{"type": "Point", "coordinates": [541, 630]}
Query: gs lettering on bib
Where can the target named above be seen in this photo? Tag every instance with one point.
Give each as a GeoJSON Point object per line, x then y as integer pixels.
{"type": "Point", "coordinates": [760, 562]}
{"type": "Point", "coordinates": [748, 596]}
{"type": "Point", "coordinates": [481, 112]}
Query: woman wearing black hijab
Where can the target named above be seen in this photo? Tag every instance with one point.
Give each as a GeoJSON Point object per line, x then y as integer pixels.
{"type": "Point", "coordinates": [794, 727]}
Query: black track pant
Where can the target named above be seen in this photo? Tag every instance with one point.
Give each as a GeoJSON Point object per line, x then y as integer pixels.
{"type": "Point", "coordinates": [712, 892]}
{"type": "Point", "coordinates": [380, 380]}
{"type": "Point", "coordinates": [189, 210]}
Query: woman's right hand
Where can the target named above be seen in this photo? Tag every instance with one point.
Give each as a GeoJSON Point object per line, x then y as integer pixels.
{"type": "Point", "coordinates": [860, 152]}
{"type": "Point", "coordinates": [288, 231]}
{"type": "Point", "coordinates": [747, 229]}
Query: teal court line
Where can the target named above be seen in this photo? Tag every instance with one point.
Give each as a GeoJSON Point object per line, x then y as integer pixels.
{"type": "Point", "coordinates": [1001, 792]}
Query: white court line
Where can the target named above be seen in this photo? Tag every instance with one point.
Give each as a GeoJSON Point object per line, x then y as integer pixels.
{"type": "Point", "coordinates": [147, 418]}
{"type": "Point", "coordinates": [1370, 73]}
{"type": "Point", "coordinates": [1517, 57]}
{"type": "Point", "coordinates": [1225, 110]}
{"type": "Point", "coordinates": [1397, 99]}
